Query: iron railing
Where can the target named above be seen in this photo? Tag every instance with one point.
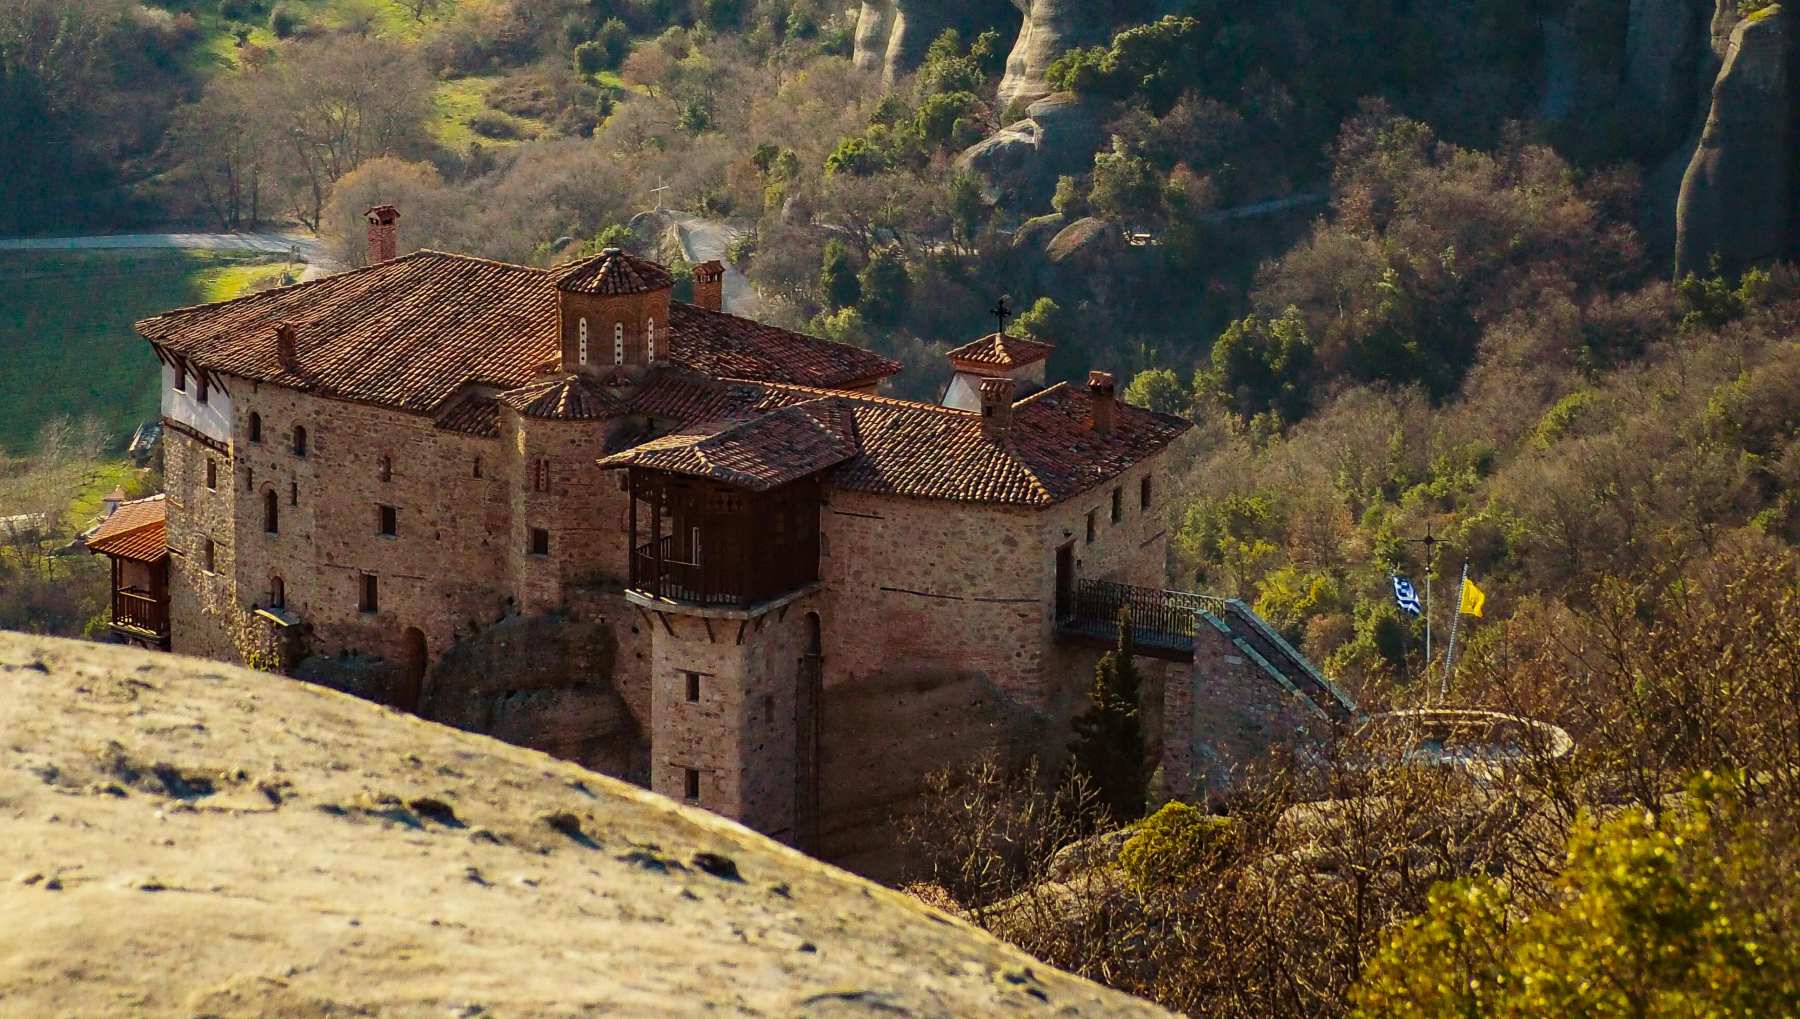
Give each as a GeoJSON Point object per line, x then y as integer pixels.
{"type": "Point", "coordinates": [1162, 618]}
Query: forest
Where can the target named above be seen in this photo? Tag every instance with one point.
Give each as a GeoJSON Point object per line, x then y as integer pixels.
{"type": "Point", "coordinates": [1517, 275]}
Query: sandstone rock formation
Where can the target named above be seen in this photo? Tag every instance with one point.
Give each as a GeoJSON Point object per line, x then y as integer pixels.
{"type": "Point", "coordinates": [1736, 196]}
{"type": "Point", "coordinates": [1664, 40]}
{"type": "Point", "coordinates": [1051, 28]}
{"type": "Point", "coordinates": [185, 838]}
{"type": "Point", "coordinates": [1020, 164]}
{"type": "Point", "coordinates": [892, 35]}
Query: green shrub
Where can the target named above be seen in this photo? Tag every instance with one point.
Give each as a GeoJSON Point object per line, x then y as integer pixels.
{"type": "Point", "coordinates": [496, 125]}
{"type": "Point", "coordinates": [1172, 842]}
{"type": "Point", "coordinates": [283, 21]}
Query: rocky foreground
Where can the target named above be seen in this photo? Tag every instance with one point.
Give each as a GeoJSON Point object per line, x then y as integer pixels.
{"type": "Point", "coordinates": [181, 838]}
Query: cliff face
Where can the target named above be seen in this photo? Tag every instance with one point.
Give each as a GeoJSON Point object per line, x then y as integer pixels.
{"type": "Point", "coordinates": [1736, 196]}
{"type": "Point", "coordinates": [186, 838]}
{"type": "Point", "coordinates": [892, 35]}
{"type": "Point", "coordinates": [1050, 29]}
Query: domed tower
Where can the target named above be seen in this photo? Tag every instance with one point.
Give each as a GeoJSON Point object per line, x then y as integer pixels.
{"type": "Point", "coordinates": [613, 311]}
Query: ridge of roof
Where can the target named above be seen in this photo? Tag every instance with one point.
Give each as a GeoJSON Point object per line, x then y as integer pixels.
{"type": "Point", "coordinates": [613, 272]}
{"type": "Point", "coordinates": [1001, 350]}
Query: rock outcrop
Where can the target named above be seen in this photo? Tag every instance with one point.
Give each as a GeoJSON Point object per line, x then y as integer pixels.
{"type": "Point", "coordinates": [1664, 41]}
{"type": "Point", "coordinates": [1051, 28]}
{"type": "Point", "coordinates": [893, 35]}
{"type": "Point", "coordinates": [1736, 197]}
{"type": "Point", "coordinates": [1019, 164]}
{"type": "Point", "coordinates": [186, 838]}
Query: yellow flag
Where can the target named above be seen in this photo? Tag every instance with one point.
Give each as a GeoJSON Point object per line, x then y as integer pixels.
{"type": "Point", "coordinates": [1472, 599]}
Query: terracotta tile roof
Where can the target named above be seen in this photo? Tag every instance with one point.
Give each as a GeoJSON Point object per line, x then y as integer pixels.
{"type": "Point", "coordinates": [564, 398]}
{"type": "Point", "coordinates": [998, 350]}
{"type": "Point", "coordinates": [730, 347]}
{"type": "Point", "coordinates": [471, 414]}
{"type": "Point", "coordinates": [412, 332]}
{"type": "Point", "coordinates": [758, 453]}
{"type": "Point", "coordinates": [134, 531]}
{"type": "Point", "coordinates": [1049, 453]}
{"type": "Point", "coordinates": [612, 273]}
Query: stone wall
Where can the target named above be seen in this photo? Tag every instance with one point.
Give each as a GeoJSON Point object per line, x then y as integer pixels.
{"type": "Point", "coordinates": [1225, 714]}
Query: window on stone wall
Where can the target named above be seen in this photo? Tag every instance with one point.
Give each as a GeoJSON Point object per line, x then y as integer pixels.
{"type": "Point", "coordinates": [277, 593]}
{"type": "Point", "coordinates": [299, 440]}
{"type": "Point", "coordinates": [478, 467]}
{"type": "Point", "coordinates": [200, 391]}
{"type": "Point", "coordinates": [293, 493]}
{"type": "Point", "coordinates": [581, 344]}
{"type": "Point", "coordinates": [211, 560]}
{"type": "Point", "coordinates": [540, 541]}
{"type": "Point", "coordinates": [368, 596]}
{"type": "Point", "coordinates": [1118, 505]}
{"type": "Point", "coordinates": [540, 475]}
{"type": "Point", "coordinates": [249, 479]}
{"type": "Point", "coordinates": [181, 378]}
{"type": "Point", "coordinates": [690, 682]}
{"type": "Point", "coordinates": [384, 468]}
{"type": "Point", "coordinates": [650, 341]}
{"type": "Point", "coordinates": [1090, 525]}
{"type": "Point", "coordinates": [387, 521]}
{"type": "Point", "coordinates": [1144, 493]}
{"type": "Point", "coordinates": [690, 784]}
{"type": "Point", "coordinates": [212, 473]}
{"type": "Point", "coordinates": [618, 343]}
{"type": "Point", "coordinates": [255, 427]}
{"type": "Point", "coordinates": [271, 512]}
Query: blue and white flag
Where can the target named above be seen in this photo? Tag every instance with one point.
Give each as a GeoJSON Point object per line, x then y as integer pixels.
{"type": "Point", "coordinates": [1406, 597]}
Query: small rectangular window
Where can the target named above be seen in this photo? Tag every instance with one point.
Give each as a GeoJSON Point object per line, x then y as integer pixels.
{"type": "Point", "coordinates": [212, 474]}
{"type": "Point", "coordinates": [200, 393]}
{"type": "Point", "coordinates": [293, 493]}
{"type": "Point", "coordinates": [691, 680]}
{"type": "Point", "coordinates": [540, 541]}
{"type": "Point", "coordinates": [387, 520]}
{"type": "Point", "coordinates": [1144, 493]}
{"type": "Point", "coordinates": [368, 597]}
{"type": "Point", "coordinates": [690, 784]}
{"type": "Point", "coordinates": [1090, 525]}
{"type": "Point", "coordinates": [478, 467]}
{"type": "Point", "coordinates": [180, 379]}
{"type": "Point", "coordinates": [1118, 505]}
{"type": "Point", "coordinates": [249, 479]}
{"type": "Point", "coordinates": [212, 557]}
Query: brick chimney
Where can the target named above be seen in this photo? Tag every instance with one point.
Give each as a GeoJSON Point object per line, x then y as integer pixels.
{"type": "Point", "coordinates": [709, 285]}
{"type": "Point", "coordinates": [383, 232]}
{"type": "Point", "coordinates": [1103, 392]}
{"type": "Point", "coordinates": [996, 407]}
{"type": "Point", "coordinates": [287, 350]}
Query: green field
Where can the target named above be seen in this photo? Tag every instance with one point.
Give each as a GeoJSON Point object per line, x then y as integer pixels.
{"type": "Point", "coordinates": [66, 342]}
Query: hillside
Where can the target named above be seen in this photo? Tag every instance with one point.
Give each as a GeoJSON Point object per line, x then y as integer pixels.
{"type": "Point", "coordinates": [191, 839]}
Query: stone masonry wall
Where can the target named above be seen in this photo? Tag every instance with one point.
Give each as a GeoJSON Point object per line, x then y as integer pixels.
{"type": "Point", "coordinates": [1224, 715]}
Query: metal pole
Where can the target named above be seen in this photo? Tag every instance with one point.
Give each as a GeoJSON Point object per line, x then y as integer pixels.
{"type": "Point", "coordinates": [1455, 622]}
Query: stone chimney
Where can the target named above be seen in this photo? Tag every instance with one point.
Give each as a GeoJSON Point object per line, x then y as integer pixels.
{"type": "Point", "coordinates": [287, 348]}
{"type": "Point", "coordinates": [1103, 391]}
{"type": "Point", "coordinates": [383, 232]}
{"type": "Point", "coordinates": [997, 407]}
{"type": "Point", "coordinates": [709, 285]}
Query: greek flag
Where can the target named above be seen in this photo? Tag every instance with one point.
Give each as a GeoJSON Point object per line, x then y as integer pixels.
{"type": "Point", "coordinates": [1406, 597]}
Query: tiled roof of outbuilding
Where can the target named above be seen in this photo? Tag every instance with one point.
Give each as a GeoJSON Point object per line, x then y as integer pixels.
{"type": "Point", "coordinates": [134, 531]}
{"type": "Point", "coordinates": [998, 350]}
{"type": "Point", "coordinates": [612, 273]}
{"type": "Point", "coordinates": [410, 333]}
{"type": "Point", "coordinates": [1050, 451]}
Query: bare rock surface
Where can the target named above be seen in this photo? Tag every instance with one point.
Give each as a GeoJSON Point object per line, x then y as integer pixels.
{"type": "Point", "coordinates": [1050, 29]}
{"type": "Point", "coordinates": [190, 839]}
{"type": "Point", "coordinates": [1736, 197]}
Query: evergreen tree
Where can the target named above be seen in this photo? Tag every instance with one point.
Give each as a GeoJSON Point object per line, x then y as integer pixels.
{"type": "Point", "coordinates": [1109, 736]}
{"type": "Point", "coordinates": [837, 278]}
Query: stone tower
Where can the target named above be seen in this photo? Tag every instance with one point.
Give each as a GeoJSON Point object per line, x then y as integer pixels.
{"type": "Point", "coordinates": [613, 312]}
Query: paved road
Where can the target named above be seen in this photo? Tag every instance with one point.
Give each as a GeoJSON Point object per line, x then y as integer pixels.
{"type": "Point", "coordinates": [705, 239]}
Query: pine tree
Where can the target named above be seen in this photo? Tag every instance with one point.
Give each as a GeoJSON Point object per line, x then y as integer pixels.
{"type": "Point", "coordinates": [1109, 736]}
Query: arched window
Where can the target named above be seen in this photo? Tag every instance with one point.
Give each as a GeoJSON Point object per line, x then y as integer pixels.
{"type": "Point", "coordinates": [581, 349]}
{"type": "Point", "coordinates": [618, 343]}
{"type": "Point", "coordinates": [255, 427]}
{"type": "Point", "coordinates": [299, 440]}
{"type": "Point", "coordinates": [650, 342]}
{"type": "Point", "coordinates": [271, 512]}
{"type": "Point", "coordinates": [277, 593]}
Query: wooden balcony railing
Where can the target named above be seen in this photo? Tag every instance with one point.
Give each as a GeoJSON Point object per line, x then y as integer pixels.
{"type": "Point", "coordinates": [140, 612]}
{"type": "Point", "coordinates": [1159, 619]}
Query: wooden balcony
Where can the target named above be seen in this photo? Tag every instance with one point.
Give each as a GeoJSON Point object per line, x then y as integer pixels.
{"type": "Point", "coordinates": [717, 546]}
{"type": "Point", "coordinates": [140, 614]}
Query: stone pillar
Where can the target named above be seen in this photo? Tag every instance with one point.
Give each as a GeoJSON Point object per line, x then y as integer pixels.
{"type": "Point", "coordinates": [709, 285]}
{"type": "Point", "coordinates": [383, 232]}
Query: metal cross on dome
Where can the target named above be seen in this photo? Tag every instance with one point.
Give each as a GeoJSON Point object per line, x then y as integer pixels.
{"type": "Point", "coordinates": [661, 186]}
{"type": "Point", "coordinates": [1002, 310]}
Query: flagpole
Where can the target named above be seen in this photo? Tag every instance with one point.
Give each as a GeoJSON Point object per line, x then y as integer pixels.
{"type": "Point", "coordinates": [1455, 621]}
